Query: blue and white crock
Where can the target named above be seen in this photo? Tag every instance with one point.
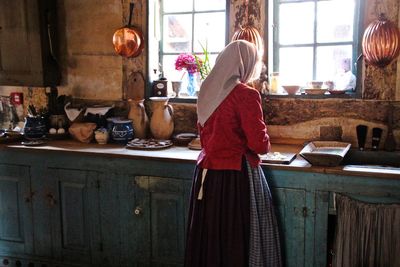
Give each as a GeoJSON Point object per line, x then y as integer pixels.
{"type": "Point", "coordinates": [122, 131]}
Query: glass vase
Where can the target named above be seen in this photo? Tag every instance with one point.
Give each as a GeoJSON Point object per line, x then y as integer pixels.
{"type": "Point", "coordinates": [192, 84]}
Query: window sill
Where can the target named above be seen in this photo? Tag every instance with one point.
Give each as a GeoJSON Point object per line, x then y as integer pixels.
{"type": "Point", "coordinates": [193, 100]}
{"type": "Point", "coordinates": [305, 96]}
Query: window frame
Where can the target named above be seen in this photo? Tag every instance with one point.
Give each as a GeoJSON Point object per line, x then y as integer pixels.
{"type": "Point", "coordinates": [161, 52]}
{"type": "Point", "coordinates": [272, 33]}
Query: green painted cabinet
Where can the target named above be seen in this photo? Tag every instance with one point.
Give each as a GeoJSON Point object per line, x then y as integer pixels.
{"type": "Point", "coordinates": [75, 215]}
{"type": "Point", "coordinates": [157, 212]}
{"type": "Point", "coordinates": [100, 211]}
{"type": "Point", "coordinates": [15, 210]}
{"type": "Point", "coordinates": [299, 214]}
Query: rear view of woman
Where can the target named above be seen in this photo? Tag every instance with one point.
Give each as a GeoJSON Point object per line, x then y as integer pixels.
{"type": "Point", "coordinates": [231, 218]}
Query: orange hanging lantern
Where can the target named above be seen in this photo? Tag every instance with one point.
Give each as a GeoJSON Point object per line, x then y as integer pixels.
{"type": "Point", "coordinates": [381, 42]}
{"type": "Point", "coordinates": [251, 34]}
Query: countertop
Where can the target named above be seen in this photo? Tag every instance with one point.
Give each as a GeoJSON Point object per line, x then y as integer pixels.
{"type": "Point", "coordinates": [183, 154]}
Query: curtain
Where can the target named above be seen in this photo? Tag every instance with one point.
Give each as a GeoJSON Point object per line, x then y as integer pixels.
{"type": "Point", "coordinates": [367, 234]}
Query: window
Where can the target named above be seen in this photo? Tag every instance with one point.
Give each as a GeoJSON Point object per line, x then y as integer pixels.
{"type": "Point", "coordinates": [314, 40]}
{"type": "Point", "coordinates": [186, 26]}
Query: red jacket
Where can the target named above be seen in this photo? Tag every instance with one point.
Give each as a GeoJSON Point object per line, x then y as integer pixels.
{"type": "Point", "coordinates": [236, 128]}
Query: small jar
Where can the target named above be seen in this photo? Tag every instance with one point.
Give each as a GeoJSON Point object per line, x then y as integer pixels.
{"type": "Point", "coordinates": [122, 131]}
{"type": "Point", "coordinates": [101, 136]}
{"type": "Point", "coordinates": [274, 83]}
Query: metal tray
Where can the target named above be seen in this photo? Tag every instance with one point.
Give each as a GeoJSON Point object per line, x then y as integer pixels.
{"type": "Point", "coordinates": [325, 153]}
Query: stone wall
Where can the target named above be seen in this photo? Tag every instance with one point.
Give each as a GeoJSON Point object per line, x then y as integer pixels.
{"type": "Point", "coordinates": [92, 71]}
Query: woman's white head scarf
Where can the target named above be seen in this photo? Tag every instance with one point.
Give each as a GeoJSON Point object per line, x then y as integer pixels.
{"type": "Point", "coordinates": [237, 63]}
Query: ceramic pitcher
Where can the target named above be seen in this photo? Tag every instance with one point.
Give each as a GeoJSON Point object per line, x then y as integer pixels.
{"type": "Point", "coordinates": [137, 114]}
{"type": "Point", "coordinates": [162, 121]}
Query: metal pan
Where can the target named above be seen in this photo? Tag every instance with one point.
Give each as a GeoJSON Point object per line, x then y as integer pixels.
{"type": "Point", "coordinates": [128, 41]}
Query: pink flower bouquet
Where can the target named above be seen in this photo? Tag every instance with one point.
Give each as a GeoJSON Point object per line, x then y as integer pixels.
{"type": "Point", "coordinates": [188, 62]}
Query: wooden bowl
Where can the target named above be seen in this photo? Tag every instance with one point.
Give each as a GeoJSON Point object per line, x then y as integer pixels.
{"type": "Point", "coordinates": [183, 139]}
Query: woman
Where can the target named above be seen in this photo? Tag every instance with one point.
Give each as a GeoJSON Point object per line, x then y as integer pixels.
{"type": "Point", "coordinates": [231, 219]}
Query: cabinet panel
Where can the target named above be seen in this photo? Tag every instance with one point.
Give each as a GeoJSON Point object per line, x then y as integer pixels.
{"type": "Point", "coordinates": [291, 208]}
{"type": "Point", "coordinates": [26, 56]}
{"type": "Point", "coordinates": [15, 210]}
{"type": "Point", "coordinates": [76, 220]}
{"type": "Point", "coordinates": [160, 206]}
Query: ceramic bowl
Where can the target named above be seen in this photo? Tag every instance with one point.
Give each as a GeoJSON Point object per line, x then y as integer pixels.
{"type": "Point", "coordinates": [291, 89]}
{"type": "Point", "coordinates": [316, 84]}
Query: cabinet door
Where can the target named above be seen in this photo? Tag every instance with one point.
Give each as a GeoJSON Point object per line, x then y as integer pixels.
{"type": "Point", "coordinates": [25, 57]}
{"type": "Point", "coordinates": [17, 41]}
{"type": "Point", "coordinates": [291, 209]}
{"type": "Point", "coordinates": [15, 210]}
{"type": "Point", "coordinates": [76, 215]}
{"type": "Point", "coordinates": [159, 220]}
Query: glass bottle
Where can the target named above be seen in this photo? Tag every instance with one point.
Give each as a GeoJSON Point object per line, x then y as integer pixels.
{"type": "Point", "coordinates": [274, 83]}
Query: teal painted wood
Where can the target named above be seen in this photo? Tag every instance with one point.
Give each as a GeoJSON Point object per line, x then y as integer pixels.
{"type": "Point", "coordinates": [167, 221]}
{"type": "Point", "coordinates": [309, 235]}
{"type": "Point", "coordinates": [321, 228]}
{"type": "Point", "coordinates": [164, 199]}
{"type": "Point", "coordinates": [130, 225]}
{"type": "Point", "coordinates": [113, 188]}
{"type": "Point", "coordinates": [43, 208]}
{"type": "Point", "coordinates": [16, 197]}
{"type": "Point", "coordinates": [109, 207]}
{"type": "Point", "coordinates": [290, 204]}
{"type": "Point", "coordinates": [77, 215]}
{"type": "Point", "coordinates": [141, 249]}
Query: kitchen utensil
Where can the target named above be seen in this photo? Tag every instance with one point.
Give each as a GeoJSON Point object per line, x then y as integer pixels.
{"type": "Point", "coordinates": [376, 137]}
{"type": "Point", "coordinates": [128, 41]}
{"type": "Point", "coordinates": [361, 135]}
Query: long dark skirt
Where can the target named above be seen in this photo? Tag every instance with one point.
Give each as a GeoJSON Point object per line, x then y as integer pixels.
{"type": "Point", "coordinates": [219, 224]}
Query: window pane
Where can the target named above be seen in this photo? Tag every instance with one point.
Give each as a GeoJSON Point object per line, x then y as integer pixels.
{"type": "Point", "coordinates": [209, 29]}
{"type": "Point", "coordinates": [169, 68]}
{"type": "Point", "coordinates": [177, 5]}
{"type": "Point", "coordinates": [201, 5]}
{"type": "Point", "coordinates": [177, 35]}
{"type": "Point", "coordinates": [335, 21]}
{"type": "Point", "coordinates": [296, 23]}
{"type": "Point", "coordinates": [331, 60]}
{"type": "Point", "coordinates": [295, 65]}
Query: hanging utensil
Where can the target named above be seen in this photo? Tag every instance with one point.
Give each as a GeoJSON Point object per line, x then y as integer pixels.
{"type": "Point", "coordinates": [128, 41]}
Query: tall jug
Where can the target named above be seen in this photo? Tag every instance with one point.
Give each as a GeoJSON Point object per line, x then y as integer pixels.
{"type": "Point", "coordinates": [162, 121]}
{"type": "Point", "coordinates": [137, 114]}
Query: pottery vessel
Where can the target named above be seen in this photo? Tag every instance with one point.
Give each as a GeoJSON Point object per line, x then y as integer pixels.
{"type": "Point", "coordinates": [101, 136]}
{"type": "Point", "coordinates": [137, 114]}
{"type": "Point", "coordinates": [122, 131]}
{"type": "Point", "coordinates": [162, 121]}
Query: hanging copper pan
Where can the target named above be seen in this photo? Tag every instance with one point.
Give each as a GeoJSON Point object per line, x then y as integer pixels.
{"type": "Point", "coordinates": [128, 41]}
